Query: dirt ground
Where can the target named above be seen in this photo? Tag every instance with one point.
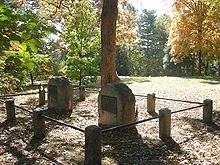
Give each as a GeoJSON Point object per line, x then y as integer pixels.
{"type": "Point", "coordinates": [193, 142]}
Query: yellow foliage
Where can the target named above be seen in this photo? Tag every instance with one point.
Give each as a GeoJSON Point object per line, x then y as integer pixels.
{"type": "Point", "coordinates": [125, 32]}
{"type": "Point", "coordinates": [125, 23]}
{"type": "Point", "coordinates": [195, 27]}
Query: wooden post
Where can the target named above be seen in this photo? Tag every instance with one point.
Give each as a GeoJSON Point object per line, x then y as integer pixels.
{"type": "Point", "coordinates": [38, 124]}
{"type": "Point", "coordinates": [82, 95]}
{"type": "Point", "coordinates": [41, 95]}
{"type": "Point", "coordinates": [92, 145]}
{"type": "Point", "coordinates": [207, 111]}
{"type": "Point", "coordinates": [164, 123]}
{"type": "Point", "coordinates": [151, 103]}
{"type": "Point", "coordinates": [10, 108]}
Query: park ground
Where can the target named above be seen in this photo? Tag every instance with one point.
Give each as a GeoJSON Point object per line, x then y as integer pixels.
{"type": "Point", "coordinates": [192, 142]}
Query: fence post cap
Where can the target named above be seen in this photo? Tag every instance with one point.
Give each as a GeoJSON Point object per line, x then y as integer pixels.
{"type": "Point", "coordinates": [207, 100]}
{"type": "Point", "coordinates": [92, 127]}
{"type": "Point", "coordinates": [164, 110]}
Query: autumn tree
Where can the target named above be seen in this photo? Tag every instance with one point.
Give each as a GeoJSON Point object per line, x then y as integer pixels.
{"type": "Point", "coordinates": [125, 25]}
{"type": "Point", "coordinates": [195, 31]}
{"type": "Point", "coordinates": [126, 37]}
{"type": "Point", "coordinates": [116, 29]}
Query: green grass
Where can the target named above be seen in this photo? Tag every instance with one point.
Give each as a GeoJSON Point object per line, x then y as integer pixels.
{"type": "Point", "coordinates": [129, 80]}
{"type": "Point", "coordinates": [210, 78]}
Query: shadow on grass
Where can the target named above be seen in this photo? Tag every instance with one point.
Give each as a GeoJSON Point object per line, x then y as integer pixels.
{"type": "Point", "coordinates": [6, 123]}
{"type": "Point", "coordinates": [197, 124]}
{"type": "Point", "coordinates": [21, 131]}
{"type": "Point", "coordinates": [215, 125]}
{"type": "Point", "coordinates": [33, 146]}
{"type": "Point", "coordinates": [206, 79]}
{"type": "Point", "coordinates": [8, 140]}
{"type": "Point", "coordinates": [213, 82]}
{"type": "Point", "coordinates": [131, 80]}
{"type": "Point", "coordinates": [21, 158]}
{"type": "Point", "coordinates": [153, 114]}
{"type": "Point", "coordinates": [127, 147]}
{"type": "Point", "coordinates": [13, 135]}
{"type": "Point", "coordinates": [199, 128]}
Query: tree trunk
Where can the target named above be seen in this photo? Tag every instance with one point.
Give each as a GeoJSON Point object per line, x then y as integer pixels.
{"type": "Point", "coordinates": [108, 40]}
{"type": "Point", "coordinates": [206, 68]}
{"type": "Point", "coordinates": [200, 62]}
{"type": "Point", "coordinates": [32, 79]}
{"type": "Point", "coordinates": [193, 67]}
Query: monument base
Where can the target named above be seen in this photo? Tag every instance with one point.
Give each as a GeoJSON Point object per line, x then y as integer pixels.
{"type": "Point", "coordinates": [116, 105]}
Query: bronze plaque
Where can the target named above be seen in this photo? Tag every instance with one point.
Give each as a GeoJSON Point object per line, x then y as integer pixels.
{"type": "Point", "coordinates": [109, 103]}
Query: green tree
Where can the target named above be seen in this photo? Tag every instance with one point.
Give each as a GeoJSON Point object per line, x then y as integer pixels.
{"type": "Point", "coordinates": [107, 16]}
{"type": "Point", "coordinates": [123, 63]}
{"type": "Point", "coordinates": [146, 32]}
{"type": "Point", "coordinates": [83, 42]}
{"type": "Point", "coordinates": [22, 35]}
{"type": "Point", "coordinates": [152, 38]}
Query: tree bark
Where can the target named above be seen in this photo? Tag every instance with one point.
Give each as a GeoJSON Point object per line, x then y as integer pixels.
{"type": "Point", "coordinates": [200, 62]}
{"type": "Point", "coordinates": [108, 41]}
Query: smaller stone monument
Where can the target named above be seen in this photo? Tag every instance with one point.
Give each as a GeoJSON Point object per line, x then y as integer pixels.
{"type": "Point", "coordinates": [60, 94]}
{"type": "Point", "coordinates": [116, 105]}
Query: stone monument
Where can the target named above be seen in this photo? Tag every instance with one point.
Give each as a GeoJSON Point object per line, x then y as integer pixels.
{"type": "Point", "coordinates": [116, 105]}
{"type": "Point", "coordinates": [60, 94]}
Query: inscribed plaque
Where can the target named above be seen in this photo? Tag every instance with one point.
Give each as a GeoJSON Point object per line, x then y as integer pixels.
{"type": "Point", "coordinates": [109, 103]}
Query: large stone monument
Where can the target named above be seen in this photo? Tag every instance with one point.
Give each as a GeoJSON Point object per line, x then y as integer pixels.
{"type": "Point", "coordinates": [60, 94]}
{"type": "Point", "coordinates": [116, 105]}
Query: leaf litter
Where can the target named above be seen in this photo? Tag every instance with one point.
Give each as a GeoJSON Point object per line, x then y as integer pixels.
{"type": "Point", "coordinates": [192, 142]}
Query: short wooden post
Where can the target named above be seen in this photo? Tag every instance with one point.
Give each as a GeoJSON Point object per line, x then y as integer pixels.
{"type": "Point", "coordinates": [10, 108]}
{"type": "Point", "coordinates": [39, 124]}
{"type": "Point", "coordinates": [92, 145]}
{"type": "Point", "coordinates": [164, 123]}
{"type": "Point", "coordinates": [151, 103]}
{"type": "Point", "coordinates": [41, 95]}
{"type": "Point", "coordinates": [82, 95]}
{"type": "Point", "coordinates": [207, 111]}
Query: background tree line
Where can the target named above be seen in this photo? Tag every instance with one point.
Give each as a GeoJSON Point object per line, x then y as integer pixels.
{"type": "Point", "coordinates": [42, 38]}
{"type": "Point", "coordinates": [184, 44]}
